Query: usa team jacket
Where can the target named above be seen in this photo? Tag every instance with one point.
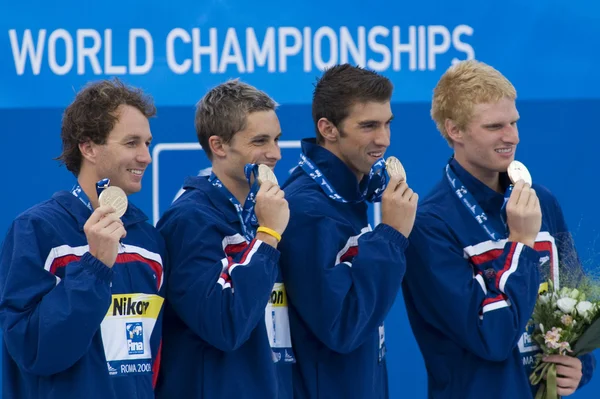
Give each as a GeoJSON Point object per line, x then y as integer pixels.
{"type": "Point", "coordinates": [220, 301]}
{"type": "Point", "coordinates": [342, 279]}
{"type": "Point", "coordinates": [469, 298]}
{"type": "Point", "coordinates": [72, 327]}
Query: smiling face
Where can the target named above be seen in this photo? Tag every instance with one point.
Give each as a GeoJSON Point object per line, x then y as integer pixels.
{"type": "Point", "coordinates": [125, 155]}
{"type": "Point", "coordinates": [362, 137]}
{"type": "Point", "coordinates": [487, 145]}
{"type": "Point", "coordinates": [258, 143]}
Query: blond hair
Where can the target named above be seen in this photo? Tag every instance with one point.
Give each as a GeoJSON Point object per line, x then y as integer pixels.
{"type": "Point", "coordinates": [463, 86]}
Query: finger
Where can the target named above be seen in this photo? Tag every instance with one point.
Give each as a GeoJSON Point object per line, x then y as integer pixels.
{"type": "Point", "coordinates": [273, 190]}
{"type": "Point", "coordinates": [567, 383]}
{"type": "Point", "coordinates": [408, 193]}
{"type": "Point", "coordinates": [565, 391]}
{"type": "Point", "coordinates": [567, 372]}
{"type": "Point", "coordinates": [266, 186]}
{"type": "Point", "coordinates": [524, 197]}
{"type": "Point", "coordinates": [119, 233]}
{"type": "Point", "coordinates": [392, 184]}
{"type": "Point", "coordinates": [106, 220]}
{"type": "Point", "coordinates": [100, 213]}
{"type": "Point", "coordinates": [280, 194]}
{"type": "Point", "coordinates": [109, 219]}
{"type": "Point", "coordinates": [516, 191]}
{"type": "Point", "coordinates": [534, 203]}
{"type": "Point", "coordinates": [402, 188]}
{"type": "Point", "coordinates": [111, 228]}
{"type": "Point", "coordinates": [414, 198]}
{"type": "Point", "coordinates": [532, 199]}
{"type": "Point", "coordinates": [564, 382]}
{"type": "Point", "coordinates": [564, 360]}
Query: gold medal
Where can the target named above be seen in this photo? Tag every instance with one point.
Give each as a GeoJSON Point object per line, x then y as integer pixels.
{"type": "Point", "coordinates": [395, 169]}
{"type": "Point", "coordinates": [115, 197]}
{"type": "Point", "coordinates": [266, 174]}
{"type": "Point", "coordinates": [517, 171]}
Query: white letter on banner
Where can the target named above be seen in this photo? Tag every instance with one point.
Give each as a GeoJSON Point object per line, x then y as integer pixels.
{"type": "Point", "coordinates": [89, 52]}
{"type": "Point", "coordinates": [325, 31]}
{"type": "Point", "coordinates": [143, 34]}
{"type": "Point", "coordinates": [307, 53]}
{"type": "Point", "coordinates": [460, 45]}
{"type": "Point", "coordinates": [348, 46]}
{"type": "Point", "coordinates": [177, 33]}
{"type": "Point", "coordinates": [284, 50]}
{"type": "Point", "coordinates": [410, 48]}
{"type": "Point", "coordinates": [422, 53]}
{"type": "Point", "coordinates": [68, 40]}
{"type": "Point", "coordinates": [199, 50]}
{"type": "Point", "coordinates": [232, 43]}
{"type": "Point", "coordinates": [379, 48]}
{"type": "Point", "coordinates": [261, 55]}
{"type": "Point", "coordinates": [27, 50]}
{"type": "Point", "coordinates": [109, 68]}
{"type": "Point", "coordinates": [432, 48]}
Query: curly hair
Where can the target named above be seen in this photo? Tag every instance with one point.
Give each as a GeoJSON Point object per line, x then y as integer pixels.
{"type": "Point", "coordinates": [93, 115]}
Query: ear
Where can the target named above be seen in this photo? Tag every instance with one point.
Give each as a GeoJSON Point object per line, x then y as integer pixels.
{"type": "Point", "coordinates": [89, 151]}
{"type": "Point", "coordinates": [328, 130]}
{"type": "Point", "coordinates": [454, 132]}
{"type": "Point", "coordinates": [217, 146]}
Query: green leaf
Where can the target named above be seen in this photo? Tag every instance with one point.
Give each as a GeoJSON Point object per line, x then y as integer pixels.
{"type": "Point", "coordinates": [589, 340]}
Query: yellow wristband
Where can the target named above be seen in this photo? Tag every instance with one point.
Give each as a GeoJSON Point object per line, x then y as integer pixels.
{"type": "Point", "coordinates": [270, 232]}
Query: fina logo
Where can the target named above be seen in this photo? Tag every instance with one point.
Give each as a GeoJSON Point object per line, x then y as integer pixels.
{"type": "Point", "coordinates": [111, 369]}
{"type": "Point", "coordinates": [135, 338]}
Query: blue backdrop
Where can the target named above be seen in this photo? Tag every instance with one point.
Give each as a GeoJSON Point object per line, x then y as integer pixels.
{"type": "Point", "coordinates": [178, 50]}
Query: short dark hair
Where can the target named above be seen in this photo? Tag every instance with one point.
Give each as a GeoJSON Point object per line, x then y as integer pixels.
{"type": "Point", "coordinates": [93, 115]}
{"type": "Point", "coordinates": [342, 86]}
{"type": "Point", "coordinates": [223, 111]}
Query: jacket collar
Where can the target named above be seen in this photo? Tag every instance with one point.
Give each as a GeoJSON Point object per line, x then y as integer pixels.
{"type": "Point", "coordinates": [81, 213]}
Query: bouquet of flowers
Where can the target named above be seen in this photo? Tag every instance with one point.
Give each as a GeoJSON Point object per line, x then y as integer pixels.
{"type": "Point", "coordinates": [567, 322]}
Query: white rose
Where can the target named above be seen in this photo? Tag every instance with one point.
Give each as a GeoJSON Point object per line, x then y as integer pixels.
{"type": "Point", "coordinates": [584, 307]}
{"type": "Point", "coordinates": [566, 305]}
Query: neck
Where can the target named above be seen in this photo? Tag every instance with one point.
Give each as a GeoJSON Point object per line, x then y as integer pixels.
{"type": "Point", "coordinates": [488, 177]}
{"type": "Point", "coordinates": [87, 181]}
{"type": "Point", "coordinates": [236, 186]}
{"type": "Point", "coordinates": [334, 149]}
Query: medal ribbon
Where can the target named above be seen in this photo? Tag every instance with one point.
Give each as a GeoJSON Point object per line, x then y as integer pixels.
{"type": "Point", "coordinates": [375, 186]}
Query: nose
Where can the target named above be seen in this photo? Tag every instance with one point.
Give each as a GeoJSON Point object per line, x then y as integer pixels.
{"type": "Point", "coordinates": [382, 137]}
{"type": "Point", "coordinates": [274, 152]}
{"type": "Point", "coordinates": [511, 135]}
{"type": "Point", "coordinates": [143, 156]}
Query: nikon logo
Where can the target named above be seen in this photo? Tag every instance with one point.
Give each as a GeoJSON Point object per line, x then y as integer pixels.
{"type": "Point", "coordinates": [127, 307]}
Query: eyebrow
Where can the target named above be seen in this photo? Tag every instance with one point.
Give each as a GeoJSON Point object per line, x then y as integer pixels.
{"type": "Point", "coordinates": [373, 122]}
{"type": "Point", "coordinates": [134, 137]}
{"type": "Point", "coordinates": [499, 124]}
{"type": "Point", "coordinates": [264, 136]}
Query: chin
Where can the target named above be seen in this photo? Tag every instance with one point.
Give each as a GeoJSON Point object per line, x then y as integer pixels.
{"type": "Point", "coordinates": [131, 188]}
{"type": "Point", "coordinates": [504, 165]}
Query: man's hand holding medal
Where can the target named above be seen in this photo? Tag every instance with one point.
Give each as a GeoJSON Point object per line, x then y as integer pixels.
{"type": "Point", "coordinates": [399, 202]}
